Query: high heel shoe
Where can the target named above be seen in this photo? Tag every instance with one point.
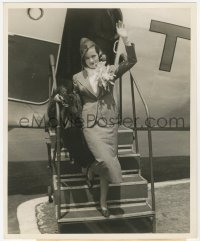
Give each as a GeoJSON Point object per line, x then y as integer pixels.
{"type": "Point", "coordinates": [105, 212]}
{"type": "Point", "coordinates": [89, 181]}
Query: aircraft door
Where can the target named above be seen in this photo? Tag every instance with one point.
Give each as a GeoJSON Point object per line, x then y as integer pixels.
{"type": "Point", "coordinates": [98, 25]}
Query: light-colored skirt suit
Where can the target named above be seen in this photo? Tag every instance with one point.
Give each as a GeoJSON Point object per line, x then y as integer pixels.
{"type": "Point", "coordinates": [100, 121]}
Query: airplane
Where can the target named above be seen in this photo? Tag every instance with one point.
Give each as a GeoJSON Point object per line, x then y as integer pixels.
{"type": "Point", "coordinates": [162, 42]}
{"type": "Point", "coordinates": [162, 76]}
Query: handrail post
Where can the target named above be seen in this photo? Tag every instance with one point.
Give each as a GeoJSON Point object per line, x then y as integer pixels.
{"type": "Point", "coordinates": [58, 134]}
{"type": "Point", "coordinates": [151, 167]}
{"type": "Point", "coordinates": [134, 114]}
{"type": "Point", "coordinates": [50, 87]}
{"type": "Point", "coordinates": [120, 100]}
{"type": "Point", "coordinates": [50, 78]}
{"type": "Point", "coordinates": [151, 174]}
{"type": "Point", "coordinates": [52, 64]}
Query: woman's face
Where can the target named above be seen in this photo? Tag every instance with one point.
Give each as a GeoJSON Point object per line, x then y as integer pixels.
{"type": "Point", "coordinates": [91, 58]}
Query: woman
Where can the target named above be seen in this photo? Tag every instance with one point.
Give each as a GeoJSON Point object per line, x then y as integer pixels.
{"type": "Point", "coordinates": [71, 134]}
{"type": "Point", "coordinates": [99, 115]}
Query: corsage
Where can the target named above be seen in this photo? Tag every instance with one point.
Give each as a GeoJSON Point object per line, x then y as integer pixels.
{"type": "Point", "coordinates": [106, 75]}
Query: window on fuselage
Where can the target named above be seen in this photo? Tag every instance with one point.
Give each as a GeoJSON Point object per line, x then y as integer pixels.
{"type": "Point", "coordinates": [28, 68]}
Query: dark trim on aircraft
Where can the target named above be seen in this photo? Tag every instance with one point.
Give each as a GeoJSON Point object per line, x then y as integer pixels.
{"type": "Point", "coordinates": [28, 102]}
{"type": "Point", "coordinates": [138, 128]}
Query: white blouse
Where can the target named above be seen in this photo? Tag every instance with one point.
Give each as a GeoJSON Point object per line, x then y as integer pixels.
{"type": "Point", "coordinates": [93, 79]}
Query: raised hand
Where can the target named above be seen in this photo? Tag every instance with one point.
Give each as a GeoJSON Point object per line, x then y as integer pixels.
{"type": "Point", "coordinates": [121, 30]}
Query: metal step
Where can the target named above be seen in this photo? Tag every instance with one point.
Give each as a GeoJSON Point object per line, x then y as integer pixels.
{"type": "Point", "coordinates": [110, 202]}
{"type": "Point", "coordinates": [117, 211]}
{"type": "Point", "coordinates": [128, 152]}
{"type": "Point", "coordinates": [125, 137]}
{"type": "Point", "coordinates": [75, 190]}
{"type": "Point", "coordinates": [72, 175]}
{"type": "Point", "coordinates": [127, 163]}
{"type": "Point", "coordinates": [123, 151]}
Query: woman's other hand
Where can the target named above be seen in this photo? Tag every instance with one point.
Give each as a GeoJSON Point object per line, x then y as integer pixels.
{"type": "Point", "coordinates": [58, 98]}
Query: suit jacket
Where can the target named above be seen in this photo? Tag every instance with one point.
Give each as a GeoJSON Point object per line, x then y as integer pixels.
{"type": "Point", "coordinates": [101, 109]}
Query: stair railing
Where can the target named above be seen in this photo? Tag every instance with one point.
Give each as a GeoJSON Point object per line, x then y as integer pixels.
{"type": "Point", "coordinates": [52, 87]}
{"type": "Point", "coordinates": [58, 129]}
{"type": "Point", "coordinates": [149, 135]}
{"type": "Point", "coordinates": [134, 113]}
{"type": "Point", "coordinates": [148, 122]}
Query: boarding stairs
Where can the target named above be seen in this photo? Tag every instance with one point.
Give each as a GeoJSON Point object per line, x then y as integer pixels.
{"type": "Point", "coordinates": [76, 204]}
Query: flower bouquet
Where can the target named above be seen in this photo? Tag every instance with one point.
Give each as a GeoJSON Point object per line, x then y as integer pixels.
{"type": "Point", "coordinates": [106, 75]}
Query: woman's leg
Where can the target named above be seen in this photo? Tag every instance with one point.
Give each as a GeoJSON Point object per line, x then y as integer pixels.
{"type": "Point", "coordinates": [104, 186]}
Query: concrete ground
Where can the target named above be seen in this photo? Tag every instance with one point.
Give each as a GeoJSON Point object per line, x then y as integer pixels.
{"type": "Point", "coordinates": [13, 202]}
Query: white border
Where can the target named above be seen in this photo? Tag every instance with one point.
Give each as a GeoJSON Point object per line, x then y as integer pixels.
{"type": "Point", "coordinates": [193, 128]}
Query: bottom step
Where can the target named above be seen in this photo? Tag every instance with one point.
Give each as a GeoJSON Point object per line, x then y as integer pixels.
{"type": "Point", "coordinates": [117, 211]}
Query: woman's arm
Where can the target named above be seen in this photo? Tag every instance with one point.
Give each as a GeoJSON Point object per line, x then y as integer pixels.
{"type": "Point", "coordinates": [75, 85]}
{"type": "Point", "coordinates": [76, 90]}
{"type": "Point", "coordinates": [131, 58]}
{"type": "Point", "coordinates": [128, 63]}
{"type": "Point", "coordinates": [51, 109]}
